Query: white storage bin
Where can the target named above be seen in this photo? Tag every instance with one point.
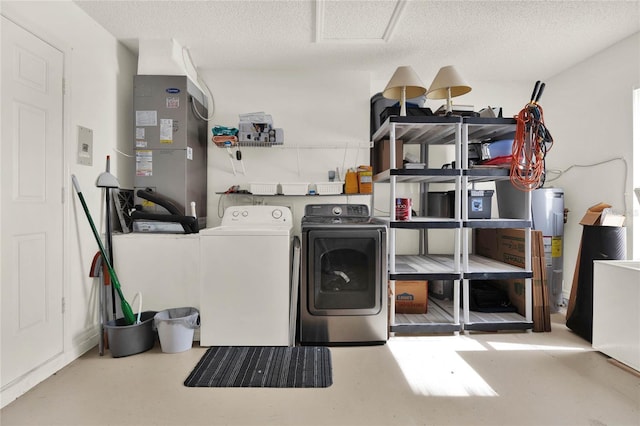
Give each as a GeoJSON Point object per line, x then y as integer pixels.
{"type": "Point", "coordinates": [296, 188]}
{"type": "Point", "coordinates": [329, 188]}
{"type": "Point", "coordinates": [263, 188]}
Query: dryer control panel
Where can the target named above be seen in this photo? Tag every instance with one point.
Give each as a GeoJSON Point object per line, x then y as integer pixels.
{"type": "Point", "coordinates": [336, 210]}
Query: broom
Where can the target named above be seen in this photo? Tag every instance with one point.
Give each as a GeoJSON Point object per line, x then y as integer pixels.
{"type": "Point", "coordinates": [130, 319]}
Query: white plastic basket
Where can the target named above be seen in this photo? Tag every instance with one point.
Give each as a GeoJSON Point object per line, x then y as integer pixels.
{"type": "Point", "coordinates": [263, 188]}
{"type": "Point", "coordinates": [295, 188]}
{"type": "Point", "coordinates": [329, 188]}
{"type": "Point", "coordinates": [176, 328]}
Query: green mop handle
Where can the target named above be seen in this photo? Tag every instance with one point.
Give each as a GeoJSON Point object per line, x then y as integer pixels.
{"type": "Point", "coordinates": [126, 308]}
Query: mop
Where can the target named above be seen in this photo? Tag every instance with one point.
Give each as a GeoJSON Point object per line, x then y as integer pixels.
{"type": "Point", "coordinates": [98, 272]}
{"type": "Point", "coordinates": [130, 319]}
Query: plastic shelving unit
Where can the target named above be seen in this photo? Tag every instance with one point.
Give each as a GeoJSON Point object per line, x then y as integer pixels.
{"type": "Point", "coordinates": [461, 265]}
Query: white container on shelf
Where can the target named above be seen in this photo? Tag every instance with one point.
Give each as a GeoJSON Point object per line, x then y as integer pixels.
{"type": "Point", "coordinates": [297, 188]}
{"type": "Point", "coordinates": [329, 188]}
{"type": "Point", "coordinates": [262, 188]}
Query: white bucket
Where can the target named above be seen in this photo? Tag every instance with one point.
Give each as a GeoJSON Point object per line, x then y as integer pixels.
{"type": "Point", "coordinates": [175, 328]}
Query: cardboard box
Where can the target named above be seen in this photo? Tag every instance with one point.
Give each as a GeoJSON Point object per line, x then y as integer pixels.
{"type": "Point", "coordinates": [485, 242]}
{"type": "Point", "coordinates": [507, 245]}
{"type": "Point", "coordinates": [380, 157]}
{"type": "Point", "coordinates": [601, 214]}
{"type": "Point", "coordinates": [592, 216]}
{"type": "Point", "coordinates": [511, 247]}
{"type": "Point", "coordinates": [411, 297]}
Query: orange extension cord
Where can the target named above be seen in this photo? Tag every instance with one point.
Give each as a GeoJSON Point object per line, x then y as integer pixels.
{"type": "Point", "coordinates": [530, 145]}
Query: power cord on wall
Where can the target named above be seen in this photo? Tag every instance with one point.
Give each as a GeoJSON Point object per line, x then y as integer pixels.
{"type": "Point", "coordinates": [559, 173]}
{"type": "Point", "coordinates": [123, 153]}
{"type": "Point", "coordinates": [203, 83]}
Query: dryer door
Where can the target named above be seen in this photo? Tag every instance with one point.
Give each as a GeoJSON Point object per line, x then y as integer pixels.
{"type": "Point", "coordinates": [345, 272]}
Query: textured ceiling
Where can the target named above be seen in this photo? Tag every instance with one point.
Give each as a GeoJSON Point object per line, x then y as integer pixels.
{"type": "Point", "coordinates": [486, 40]}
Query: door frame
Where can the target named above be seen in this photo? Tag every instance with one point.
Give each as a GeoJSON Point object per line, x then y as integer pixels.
{"type": "Point", "coordinates": [26, 382]}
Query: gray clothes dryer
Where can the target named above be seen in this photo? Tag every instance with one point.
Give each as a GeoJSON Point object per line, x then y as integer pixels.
{"type": "Point", "coordinates": [343, 286]}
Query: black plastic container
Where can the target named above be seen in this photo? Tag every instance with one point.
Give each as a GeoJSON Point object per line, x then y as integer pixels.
{"type": "Point", "coordinates": [479, 203]}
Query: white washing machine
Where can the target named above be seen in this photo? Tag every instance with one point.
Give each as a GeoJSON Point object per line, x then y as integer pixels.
{"type": "Point", "coordinates": [245, 278]}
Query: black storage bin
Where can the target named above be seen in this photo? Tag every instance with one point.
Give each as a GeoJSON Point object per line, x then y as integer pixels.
{"type": "Point", "coordinates": [488, 296]}
{"type": "Point", "coordinates": [378, 104]}
{"type": "Point", "coordinates": [412, 111]}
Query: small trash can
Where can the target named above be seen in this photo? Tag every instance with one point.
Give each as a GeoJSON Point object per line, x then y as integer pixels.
{"type": "Point", "coordinates": [175, 328]}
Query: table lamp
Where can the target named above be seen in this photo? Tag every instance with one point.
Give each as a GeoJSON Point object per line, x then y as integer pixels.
{"type": "Point", "coordinates": [448, 84]}
{"type": "Point", "coordinates": [404, 84]}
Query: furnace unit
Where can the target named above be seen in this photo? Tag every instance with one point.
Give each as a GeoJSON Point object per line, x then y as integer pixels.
{"type": "Point", "coordinates": [171, 130]}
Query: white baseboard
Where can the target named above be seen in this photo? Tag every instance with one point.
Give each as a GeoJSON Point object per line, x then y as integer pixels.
{"type": "Point", "coordinates": [12, 391]}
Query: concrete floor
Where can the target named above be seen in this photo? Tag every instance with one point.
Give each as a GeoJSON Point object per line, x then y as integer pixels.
{"type": "Point", "coordinates": [470, 379]}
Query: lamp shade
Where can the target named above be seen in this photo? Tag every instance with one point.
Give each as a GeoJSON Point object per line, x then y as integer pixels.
{"type": "Point", "coordinates": [405, 78]}
{"type": "Point", "coordinates": [448, 78]}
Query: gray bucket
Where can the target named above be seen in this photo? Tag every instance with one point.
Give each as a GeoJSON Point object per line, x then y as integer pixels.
{"type": "Point", "coordinates": [125, 340]}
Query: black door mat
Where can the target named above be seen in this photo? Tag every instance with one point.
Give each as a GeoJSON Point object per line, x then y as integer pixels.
{"type": "Point", "coordinates": [263, 367]}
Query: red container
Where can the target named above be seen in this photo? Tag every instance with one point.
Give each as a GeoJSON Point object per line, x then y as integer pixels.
{"type": "Point", "coordinates": [403, 208]}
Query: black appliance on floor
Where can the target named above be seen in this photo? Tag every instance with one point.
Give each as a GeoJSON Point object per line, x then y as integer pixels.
{"type": "Point", "coordinates": [343, 290]}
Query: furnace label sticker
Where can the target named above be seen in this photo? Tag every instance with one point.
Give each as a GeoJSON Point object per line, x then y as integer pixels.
{"type": "Point", "coordinates": [146, 118]}
{"type": "Point", "coordinates": [166, 130]}
{"type": "Point", "coordinates": [144, 163]}
{"type": "Point", "coordinates": [189, 153]}
{"type": "Point", "coordinates": [140, 142]}
{"type": "Point", "coordinates": [173, 102]}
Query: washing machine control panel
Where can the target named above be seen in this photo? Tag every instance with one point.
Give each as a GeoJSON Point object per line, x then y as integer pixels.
{"type": "Point", "coordinates": [258, 215]}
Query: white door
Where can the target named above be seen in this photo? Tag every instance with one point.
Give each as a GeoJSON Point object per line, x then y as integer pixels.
{"type": "Point", "coordinates": [31, 214]}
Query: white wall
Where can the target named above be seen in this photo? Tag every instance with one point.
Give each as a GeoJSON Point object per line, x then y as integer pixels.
{"type": "Point", "coordinates": [99, 80]}
{"type": "Point", "coordinates": [325, 118]}
{"type": "Point", "coordinates": [588, 109]}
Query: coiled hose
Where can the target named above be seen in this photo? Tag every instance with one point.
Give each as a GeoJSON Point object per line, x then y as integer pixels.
{"type": "Point", "coordinates": [531, 143]}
